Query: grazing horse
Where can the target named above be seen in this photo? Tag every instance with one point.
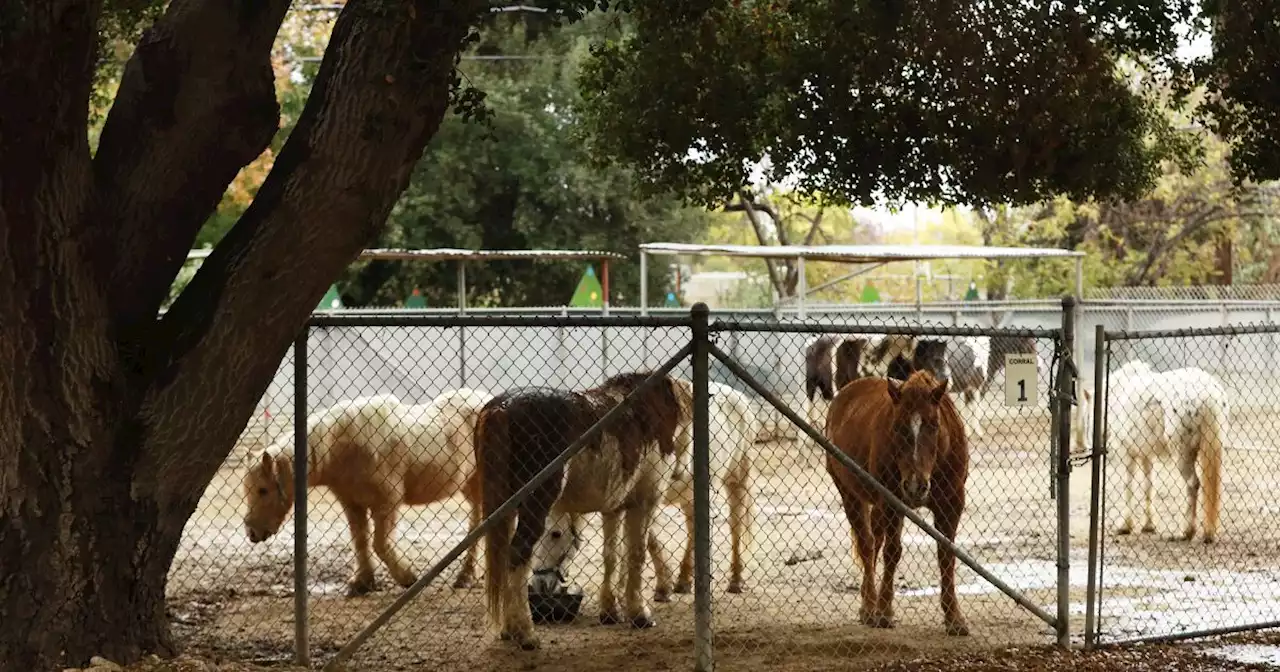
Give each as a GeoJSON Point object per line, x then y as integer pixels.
{"type": "Point", "coordinates": [830, 362]}
{"type": "Point", "coordinates": [1181, 413]}
{"type": "Point", "coordinates": [623, 473]}
{"type": "Point", "coordinates": [733, 425]}
{"type": "Point", "coordinates": [910, 437]}
{"type": "Point", "coordinates": [375, 454]}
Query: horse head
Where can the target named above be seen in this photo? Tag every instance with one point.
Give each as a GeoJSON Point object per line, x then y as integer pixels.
{"type": "Point", "coordinates": [554, 551]}
{"type": "Point", "coordinates": [931, 356]}
{"type": "Point", "coordinates": [918, 433]}
{"type": "Point", "coordinates": [268, 494]}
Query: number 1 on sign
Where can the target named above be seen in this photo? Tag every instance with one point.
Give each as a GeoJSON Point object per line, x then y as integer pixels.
{"type": "Point", "coordinates": [1020, 375]}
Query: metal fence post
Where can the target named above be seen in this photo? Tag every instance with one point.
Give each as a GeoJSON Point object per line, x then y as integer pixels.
{"type": "Point", "coordinates": [301, 636]}
{"type": "Point", "coordinates": [1097, 459]}
{"type": "Point", "coordinates": [1064, 395]}
{"type": "Point", "coordinates": [704, 659]}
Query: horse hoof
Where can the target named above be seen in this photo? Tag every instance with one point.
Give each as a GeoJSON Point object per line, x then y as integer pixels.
{"type": "Point", "coordinates": [881, 621]}
{"type": "Point", "coordinates": [1123, 530]}
{"type": "Point", "coordinates": [406, 581]}
{"type": "Point", "coordinates": [360, 587]}
{"type": "Point", "coordinates": [1149, 528]}
{"type": "Point", "coordinates": [642, 621]}
{"type": "Point", "coordinates": [463, 584]}
{"type": "Point", "coordinates": [663, 596]}
{"type": "Point", "coordinates": [683, 587]}
{"type": "Point", "coordinates": [1210, 538]}
{"type": "Point", "coordinates": [735, 588]}
{"type": "Point", "coordinates": [528, 644]}
{"type": "Point", "coordinates": [958, 629]}
{"type": "Point", "coordinates": [609, 617]}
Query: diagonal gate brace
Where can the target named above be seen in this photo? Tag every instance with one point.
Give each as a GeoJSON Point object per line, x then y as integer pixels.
{"type": "Point", "coordinates": [880, 489]}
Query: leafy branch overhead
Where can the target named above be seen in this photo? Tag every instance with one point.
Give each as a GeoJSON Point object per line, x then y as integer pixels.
{"type": "Point", "coordinates": [915, 100]}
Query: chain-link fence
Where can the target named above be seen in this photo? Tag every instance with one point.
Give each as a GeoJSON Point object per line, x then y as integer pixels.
{"type": "Point", "coordinates": [1185, 493]}
{"type": "Point", "coordinates": [392, 422]}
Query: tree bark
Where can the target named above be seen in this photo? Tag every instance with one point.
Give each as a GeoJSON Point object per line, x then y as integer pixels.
{"type": "Point", "coordinates": [111, 422]}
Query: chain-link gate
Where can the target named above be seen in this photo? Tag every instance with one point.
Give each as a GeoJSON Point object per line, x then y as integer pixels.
{"type": "Point", "coordinates": [1184, 480]}
{"type": "Point", "coordinates": [1013, 538]}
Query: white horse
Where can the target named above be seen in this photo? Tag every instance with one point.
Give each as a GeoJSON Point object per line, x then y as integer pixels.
{"type": "Point", "coordinates": [1151, 415]}
{"type": "Point", "coordinates": [375, 454]}
{"type": "Point", "coordinates": [733, 424]}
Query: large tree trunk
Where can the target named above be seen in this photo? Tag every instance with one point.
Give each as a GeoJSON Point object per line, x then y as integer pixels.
{"type": "Point", "coordinates": [112, 420]}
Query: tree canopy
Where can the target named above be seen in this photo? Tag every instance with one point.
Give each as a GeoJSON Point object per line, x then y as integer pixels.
{"type": "Point", "coordinates": [950, 102]}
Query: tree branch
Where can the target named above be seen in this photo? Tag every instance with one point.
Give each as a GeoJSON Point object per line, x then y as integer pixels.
{"type": "Point", "coordinates": [196, 104]}
{"type": "Point", "coordinates": [382, 91]}
{"type": "Point", "coordinates": [747, 206]}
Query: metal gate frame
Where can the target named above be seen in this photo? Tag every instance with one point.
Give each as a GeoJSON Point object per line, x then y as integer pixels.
{"type": "Point", "coordinates": [702, 606]}
{"type": "Point", "coordinates": [1098, 499]}
{"type": "Point", "coordinates": [1062, 398]}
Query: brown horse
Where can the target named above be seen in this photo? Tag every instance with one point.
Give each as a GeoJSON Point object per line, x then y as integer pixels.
{"type": "Point", "coordinates": [623, 474]}
{"type": "Point", "coordinates": [910, 437]}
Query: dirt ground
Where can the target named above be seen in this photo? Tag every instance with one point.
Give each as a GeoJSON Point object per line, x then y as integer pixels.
{"type": "Point", "coordinates": [233, 601]}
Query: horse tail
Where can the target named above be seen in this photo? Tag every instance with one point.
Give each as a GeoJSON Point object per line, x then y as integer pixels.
{"type": "Point", "coordinates": [492, 449]}
{"type": "Point", "coordinates": [1213, 439]}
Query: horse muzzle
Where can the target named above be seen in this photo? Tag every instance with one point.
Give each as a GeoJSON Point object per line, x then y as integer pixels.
{"type": "Point", "coordinates": [915, 492]}
{"type": "Point", "coordinates": [257, 536]}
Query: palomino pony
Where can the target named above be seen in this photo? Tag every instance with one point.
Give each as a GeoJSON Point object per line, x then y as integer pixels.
{"type": "Point", "coordinates": [733, 425]}
{"type": "Point", "coordinates": [375, 454]}
{"type": "Point", "coordinates": [1182, 413]}
{"type": "Point", "coordinates": [624, 473]}
{"type": "Point", "coordinates": [910, 437]}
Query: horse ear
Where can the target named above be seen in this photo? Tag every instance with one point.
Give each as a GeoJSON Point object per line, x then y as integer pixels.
{"type": "Point", "coordinates": [267, 463]}
{"type": "Point", "coordinates": [941, 391]}
{"type": "Point", "coordinates": [895, 390]}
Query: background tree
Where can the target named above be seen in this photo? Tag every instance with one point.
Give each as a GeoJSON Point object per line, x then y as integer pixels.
{"type": "Point", "coordinates": [524, 182]}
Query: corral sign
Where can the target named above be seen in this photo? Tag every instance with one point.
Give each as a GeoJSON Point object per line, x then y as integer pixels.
{"type": "Point", "coordinates": [1020, 376]}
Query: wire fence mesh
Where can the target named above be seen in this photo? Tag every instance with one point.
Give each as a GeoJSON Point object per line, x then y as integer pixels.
{"type": "Point", "coordinates": [220, 584]}
{"type": "Point", "coordinates": [1189, 485]}
{"type": "Point", "coordinates": [802, 599]}
{"type": "Point", "coordinates": [785, 585]}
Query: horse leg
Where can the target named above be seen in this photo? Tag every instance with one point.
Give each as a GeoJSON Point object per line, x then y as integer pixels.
{"type": "Point", "coordinates": [741, 525]}
{"type": "Point", "coordinates": [637, 520]}
{"type": "Point", "coordinates": [1130, 476]}
{"type": "Point", "coordinates": [888, 526]}
{"type": "Point", "coordinates": [384, 527]}
{"type": "Point", "coordinates": [947, 519]}
{"type": "Point", "coordinates": [684, 582]}
{"type": "Point", "coordinates": [661, 568]}
{"type": "Point", "coordinates": [467, 573]}
{"type": "Point", "coordinates": [1148, 525]}
{"type": "Point", "coordinates": [1187, 465]}
{"type": "Point", "coordinates": [608, 598]}
{"type": "Point", "coordinates": [863, 554]}
{"type": "Point", "coordinates": [362, 581]}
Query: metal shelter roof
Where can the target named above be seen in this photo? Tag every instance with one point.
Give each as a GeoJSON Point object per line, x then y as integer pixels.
{"type": "Point", "coordinates": [858, 254]}
{"type": "Point", "coordinates": [458, 254]}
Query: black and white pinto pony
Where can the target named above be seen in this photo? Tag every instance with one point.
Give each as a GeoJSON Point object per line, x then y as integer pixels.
{"type": "Point", "coordinates": [969, 363]}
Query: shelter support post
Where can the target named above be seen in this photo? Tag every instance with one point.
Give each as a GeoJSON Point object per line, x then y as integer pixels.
{"type": "Point", "coordinates": [801, 287]}
{"type": "Point", "coordinates": [301, 636]}
{"type": "Point", "coordinates": [1064, 402]}
{"type": "Point", "coordinates": [604, 286]}
{"type": "Point", "coordinates": [704, 660]}
{"type": "Point", "coordinates": [1079, 347]}
{"type": "Point", "coordinates": [644, 283]}
{"type": "Point", "coordinates": [462, 331]}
